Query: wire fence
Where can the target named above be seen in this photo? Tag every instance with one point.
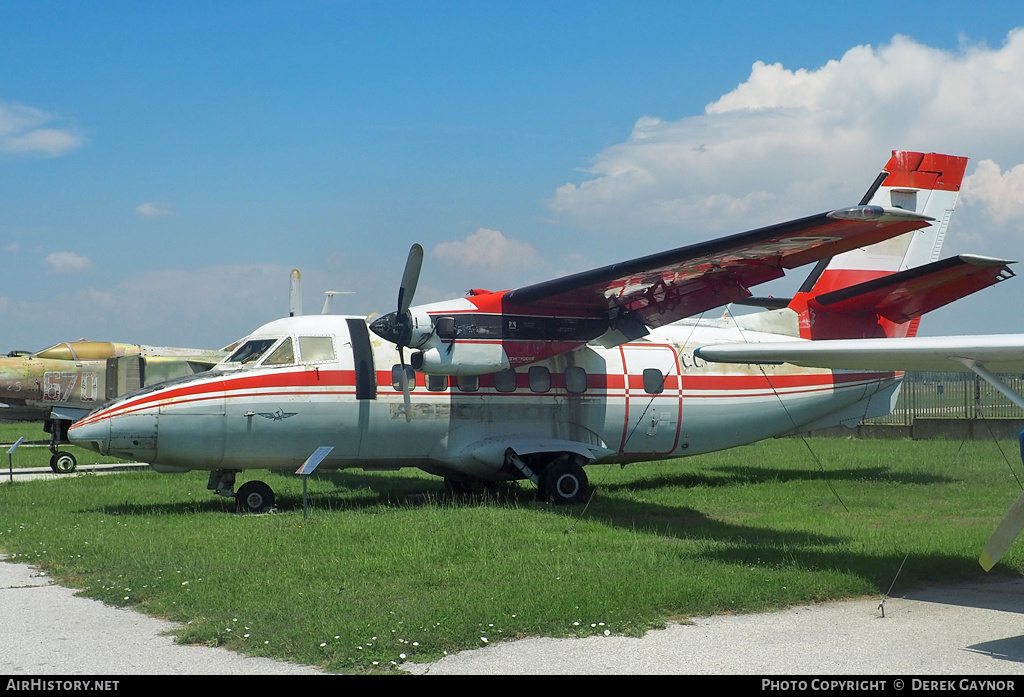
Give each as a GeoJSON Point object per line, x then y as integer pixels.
{"type": "Point", "coordinates": [951, 396]}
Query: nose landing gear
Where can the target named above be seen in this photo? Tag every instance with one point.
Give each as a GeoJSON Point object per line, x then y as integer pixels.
{"type": "Point", "coordinates": [252, 497]}
{"type": "Point", "coordinates": [61, 462]}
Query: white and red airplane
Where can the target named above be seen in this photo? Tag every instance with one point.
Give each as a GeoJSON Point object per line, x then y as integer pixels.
{"type": "Point", "coordinates": [592, 368]}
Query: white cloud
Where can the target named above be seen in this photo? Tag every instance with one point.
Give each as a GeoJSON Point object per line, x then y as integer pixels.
{"type": "Point", "coordinates": [487, 249]}
{"type": "Point", "coordinates": [787, 143]}
{"type": "Point", "coordinates": [1000, 194]}
{"type": "Point", "coordinates": [22, 132]}
{"type": "Point", "coordinates": [66, 262]}
{"type": "Point", "coordinates": [154, 209]}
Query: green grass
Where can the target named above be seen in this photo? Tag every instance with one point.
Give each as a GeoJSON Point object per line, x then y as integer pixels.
{"type": "Point", "coordinates": [379, 569]}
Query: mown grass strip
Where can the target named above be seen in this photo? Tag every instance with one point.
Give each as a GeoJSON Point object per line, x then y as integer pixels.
{"type": "Point", "coordinates": [383, 571]}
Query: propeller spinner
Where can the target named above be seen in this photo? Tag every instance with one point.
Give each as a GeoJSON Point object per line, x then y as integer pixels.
{"type": "Point", "coordinates": [396, 327]}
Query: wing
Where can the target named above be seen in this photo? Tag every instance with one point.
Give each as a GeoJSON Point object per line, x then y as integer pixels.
{"type": "Point", "coordinates": [984, 355]}
{"type": "Point", "coordinates": [662, 288]}
{"type": "Point", "coordinates": [999, 353]}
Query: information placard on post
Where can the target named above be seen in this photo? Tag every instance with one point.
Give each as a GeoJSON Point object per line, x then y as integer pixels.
{"type": "Point", "coordinates": [307, 468]}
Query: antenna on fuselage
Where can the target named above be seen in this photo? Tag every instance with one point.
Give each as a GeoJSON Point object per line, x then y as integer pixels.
{"type": "Point", "coordinates": [295, 294]}
{"type": "Point", "coordinates": [330, 298]}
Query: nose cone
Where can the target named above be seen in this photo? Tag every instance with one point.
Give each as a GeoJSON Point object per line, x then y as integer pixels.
{"type": "Point", "coordinates": [93, 434]}
{"type": "Point", "coordinates": [390, 327]}
{"type": "Point", "coordinates": [131, 436]}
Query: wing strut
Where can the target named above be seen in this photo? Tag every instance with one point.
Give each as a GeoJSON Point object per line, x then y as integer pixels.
{"type": "Point", "coordinates": [1013, 522]}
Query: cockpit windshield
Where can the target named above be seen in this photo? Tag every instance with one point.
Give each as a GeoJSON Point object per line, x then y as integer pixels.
{"type": "Point", "coordinates": [268, 352]}
{"type": "Point", "coordinates": [282, 355]}
{"type": "Point", "coordinates": [251, 351]}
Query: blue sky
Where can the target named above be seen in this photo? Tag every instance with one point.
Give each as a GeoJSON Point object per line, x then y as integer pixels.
{"type": "Point", "coordinates": [163, 165]}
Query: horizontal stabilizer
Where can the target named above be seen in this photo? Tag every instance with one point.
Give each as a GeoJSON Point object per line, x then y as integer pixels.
{"type": "Point", "coordinates": [903, 296]}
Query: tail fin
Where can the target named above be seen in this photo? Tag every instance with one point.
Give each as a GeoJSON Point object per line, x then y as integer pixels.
{"type": "Point", "coordinates": [928, 184]}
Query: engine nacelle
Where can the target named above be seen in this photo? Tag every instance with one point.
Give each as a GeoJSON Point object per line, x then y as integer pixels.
{"type": "Point", "coordinates": [459, 358]}
{"type": "Point", "coordinates": [422, 328]}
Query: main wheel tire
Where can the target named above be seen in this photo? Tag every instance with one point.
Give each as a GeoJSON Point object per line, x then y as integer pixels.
{"type": "Point", "coordinates": [254, 497]}
{"type": "Point", "coordinates": [564, 482]}
{"type": "Point", "coordinates": [63, 463]}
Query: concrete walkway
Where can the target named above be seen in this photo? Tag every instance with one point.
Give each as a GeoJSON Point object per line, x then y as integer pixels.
{"type": "Point", "coordinates": [970, 629]}
{"type": "Point", "coordinates": [46, 630]}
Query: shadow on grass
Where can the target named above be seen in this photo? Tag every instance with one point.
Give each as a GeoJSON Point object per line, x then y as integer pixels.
{"type": "Point", "coordinates": [730, 476]}
{"type": "Point", "coordinates": [740, 545]}
{"type": "Point", "coordinates": [214, 504]}
{"type": "Point", "coordinates": [744, 546]}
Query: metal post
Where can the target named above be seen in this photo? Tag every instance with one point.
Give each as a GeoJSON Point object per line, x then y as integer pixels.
{"type": "Point", "coordinates": [10, 458]}
{"type": "Point", "coordinates": [307, 468]}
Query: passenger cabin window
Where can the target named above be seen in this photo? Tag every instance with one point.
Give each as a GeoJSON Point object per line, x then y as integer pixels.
{"type": "Point", "coordinates": [316, 349]}
{"type": "Point", "coordinates": [540, 379]}
{"type": "Point", "coordinates": [575, 379]}
{"type": "Point", "coordinates": [251, 351]}
{"type": "Point", "coordinates": [396, 377]}
{"type": "Point", "coordinates": [437, 383]}
{"type": "Point", "coordinates": [505, 381]}
{"type": "Point", "coordinates": [468, 383]}
{"type": "Point", "coordinates": [654, 381]}
{"type": "Point", "coordinates": [284, 354]}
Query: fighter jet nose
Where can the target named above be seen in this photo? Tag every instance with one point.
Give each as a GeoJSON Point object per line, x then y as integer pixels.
{"type": "Point", "coordinates": [93, 435]}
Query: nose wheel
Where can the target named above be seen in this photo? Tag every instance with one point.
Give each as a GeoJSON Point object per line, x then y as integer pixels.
{"type": "Point", "coordinates": [63, 463]}
{"type": "Point", "coordinates": [60, 462]}
{"type": "Point", "coordinates": [254, 497]}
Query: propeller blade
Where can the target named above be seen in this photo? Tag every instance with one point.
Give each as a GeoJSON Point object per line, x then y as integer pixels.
{"type": "Point", "coordinates": [404, 380]}
{"type": "Point", "coordinates": [410, 278]}
{"type": "Point", "coordinates": [1004, 535]}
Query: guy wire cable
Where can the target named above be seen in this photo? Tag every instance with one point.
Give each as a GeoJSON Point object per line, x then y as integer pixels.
{"type": "Point", "coordinates": [664, 377]}
{"type": "Point", "coordinates": [782, 403]}
{"type": "Point", "coordinates": [995, 440]}
{"type": "Point", "coordinates": [881, 605]}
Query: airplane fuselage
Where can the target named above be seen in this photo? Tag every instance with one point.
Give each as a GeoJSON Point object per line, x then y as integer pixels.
{"type": "Point", "coordinates": [643, 400]}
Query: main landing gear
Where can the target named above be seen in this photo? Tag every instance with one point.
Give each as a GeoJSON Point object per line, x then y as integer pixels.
{"type": "Point", "coordinates": [560, 478]}
{"type": "Point", "coordinates": [563, 482]}
{"type": "Point", "coordinates": [61, 462]}
{"type": "Point", "coordinates": [252, 497]}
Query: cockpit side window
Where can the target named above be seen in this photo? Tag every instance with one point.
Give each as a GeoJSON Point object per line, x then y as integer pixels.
{"type": "Point", "coordinates": [251, 351]}
{"type": "Point", "coordinates": [316, 349]}
{"type": "Point", "coordinates": [284, 354]}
